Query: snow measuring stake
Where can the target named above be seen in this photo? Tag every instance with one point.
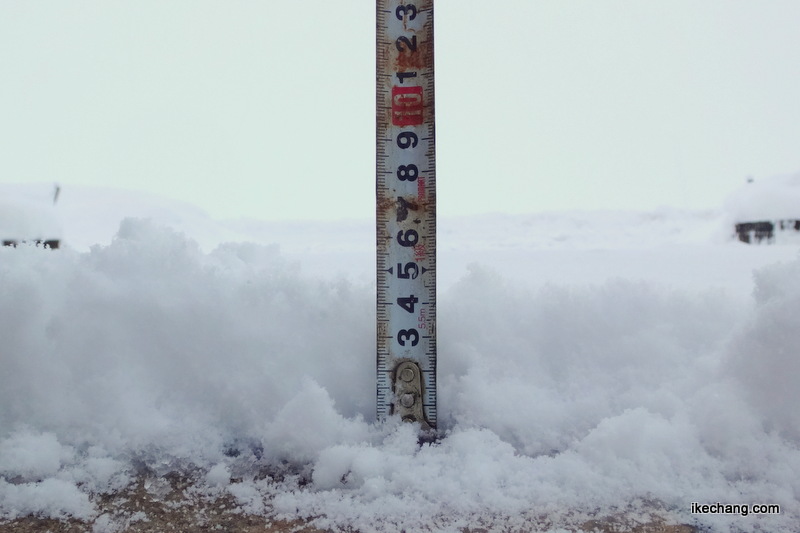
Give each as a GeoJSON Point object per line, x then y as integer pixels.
{"type": "Point", "coordinates": [406, 212]}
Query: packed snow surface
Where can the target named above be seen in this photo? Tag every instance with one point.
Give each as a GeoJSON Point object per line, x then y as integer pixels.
{"type": "Point", "coordinates": [587, 361]}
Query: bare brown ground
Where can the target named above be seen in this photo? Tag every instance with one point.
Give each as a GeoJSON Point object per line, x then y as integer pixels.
{"type": "Point", "coordinates": [135, 510]}
{"type": "Point", "coordinates": [172, 512]}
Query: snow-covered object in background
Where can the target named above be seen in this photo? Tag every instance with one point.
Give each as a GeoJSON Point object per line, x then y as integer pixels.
{"type": "Point", "coordinates": [766, 210]}
{"type": "Point", "coordinates": [92, 215]}
{"type": "Point", "coordinates": [28, 214]}
{"type": "Point", "coordinates": [773, 198]}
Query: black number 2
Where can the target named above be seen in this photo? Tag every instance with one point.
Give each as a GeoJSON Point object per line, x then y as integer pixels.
{"type": "Point", "coordinates": [410, 43]}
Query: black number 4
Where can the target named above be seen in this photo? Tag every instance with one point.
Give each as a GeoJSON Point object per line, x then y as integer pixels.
{"type": "Point", "coordinates": [408, 303]}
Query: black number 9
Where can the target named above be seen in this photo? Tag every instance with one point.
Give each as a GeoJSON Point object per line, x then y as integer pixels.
{"type": "Point", "coordinates": [407, 139]}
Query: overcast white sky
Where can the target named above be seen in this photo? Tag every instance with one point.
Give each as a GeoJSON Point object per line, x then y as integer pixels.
{"type": "Point", "coordinates": [266, 109]}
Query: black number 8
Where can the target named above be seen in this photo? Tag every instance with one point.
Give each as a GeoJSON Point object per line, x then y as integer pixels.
{"type": "Point", "coordinates": [407, 172]}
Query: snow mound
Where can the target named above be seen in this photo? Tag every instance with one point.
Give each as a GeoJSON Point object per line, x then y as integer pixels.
{"type": "Point", "coordinates": [149, 354]}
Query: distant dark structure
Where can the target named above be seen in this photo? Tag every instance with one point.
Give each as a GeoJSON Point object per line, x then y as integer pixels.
{"type": "Point", "coordinates": [25, 222]}
{"type": "Point", "coordinates": [53, 244]}
{"type": "Point", "coordinates": [764, 230]}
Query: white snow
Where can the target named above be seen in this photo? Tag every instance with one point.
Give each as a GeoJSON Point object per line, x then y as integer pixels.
{"type": "Point", "coordinates": [587, 361]}
{"type": "Point", "coordinates": [27, 213]}
{"type": "Point", "coordinates": [772, 198]}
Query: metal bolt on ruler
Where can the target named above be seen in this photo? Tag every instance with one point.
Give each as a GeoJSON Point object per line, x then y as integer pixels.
{"type": "Point", "coordinates": [406, 212]}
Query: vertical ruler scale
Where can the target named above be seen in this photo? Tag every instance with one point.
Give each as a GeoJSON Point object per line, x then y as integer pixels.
{"type": "Point", "coordinates": [406, 212]}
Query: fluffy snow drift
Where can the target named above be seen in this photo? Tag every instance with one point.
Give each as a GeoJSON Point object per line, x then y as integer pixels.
{"type": "Point", "coordinates": [588, 361]}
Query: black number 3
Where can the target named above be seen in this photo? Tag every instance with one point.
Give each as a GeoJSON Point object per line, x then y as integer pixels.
{"type": "Point", "coordinates": [401, 11]}
{"type": "Point", "coordinates": [405, 334]}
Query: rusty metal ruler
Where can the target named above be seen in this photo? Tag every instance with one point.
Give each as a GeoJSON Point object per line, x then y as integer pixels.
{"type": "Point", "coordinates": [406, 212]}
